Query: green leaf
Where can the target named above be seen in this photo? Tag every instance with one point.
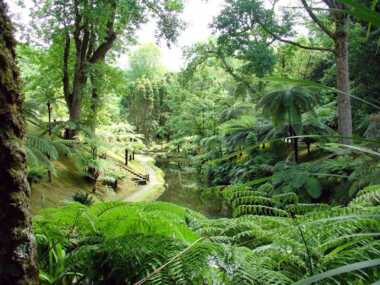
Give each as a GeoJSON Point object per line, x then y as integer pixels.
{"type": "Point", "coordinates": [45, 277]}
{"type": "Point", "coordinates": [311, 85]}
{"type": "Point", "coordinates": [340, 270]}
{"type": "Point", "coordinates": [358, 148]}
{"type": "Point", "coordinates": [313, 187]}
{"type": "Point", "coordinates": [362, 12]}
{"type": "Point", "coordinates": [298, 180]}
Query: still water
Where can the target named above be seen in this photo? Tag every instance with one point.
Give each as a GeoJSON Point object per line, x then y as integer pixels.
{"type": "Point", "coordinates": [183, 188]}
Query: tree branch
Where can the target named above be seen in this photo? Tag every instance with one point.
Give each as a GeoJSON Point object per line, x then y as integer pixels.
{"type": "Point", "coordinates": [232, 73]}
{"type": "Point", "coordinates": [295, 43]}
{"type": "Point", "coordinates": [317, 21]}
{"type": "Point", "coordinates": [101, 51]}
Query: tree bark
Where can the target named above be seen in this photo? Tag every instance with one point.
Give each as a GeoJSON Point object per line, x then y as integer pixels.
{"type": "Point", "coordinates": [17, 244]}
{"type": "Point", "coordinates": [295, 143]}
{"type": "Point", "coordinates": [49, 133]}
{"type": "Point", "coordinates": [74, 117]}
{"type": "Point", "coordinates": [340, 39]}
{"type": "Point", "coordinates": [79, 79]}
{"type": "Point", "coordinates": [342, 78]}
{"type": "Point", "coordinates": [94, 109]}
{"type": "Point", "coordinates": [65, 67]}
{"type": "Point", "coordinates": [86, 54]}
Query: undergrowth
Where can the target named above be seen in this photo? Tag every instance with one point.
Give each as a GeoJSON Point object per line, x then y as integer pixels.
{"type": "Point", "coordinates": [273, 239]}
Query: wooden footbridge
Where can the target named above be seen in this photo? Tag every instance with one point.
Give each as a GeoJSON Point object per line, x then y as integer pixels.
{"type": "Point", "coordinates": [140, 179]}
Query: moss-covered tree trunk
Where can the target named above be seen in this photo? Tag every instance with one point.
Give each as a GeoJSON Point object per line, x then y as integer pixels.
{"type": "Point", "coordinates": [17, 246]}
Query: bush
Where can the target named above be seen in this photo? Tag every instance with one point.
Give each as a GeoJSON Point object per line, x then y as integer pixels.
{"type": "Point", "coordinates": [110, 181]}
{"type": "Point", "coordinates": [36, 174]}
{"type": "Point", "coordinates": [83, 198]}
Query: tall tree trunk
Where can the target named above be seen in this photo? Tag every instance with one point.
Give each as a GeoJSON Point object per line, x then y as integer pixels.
{"type": "Point", "coordinates": [49, 118]}
{"type": "Point", "coordinates": [340, 38]}
{"type": "Point", "coordinates": [342, 77]}
{"type": "Point", "coordinates": [17, 245]}
{"type": "Point", "coordinates": [94, 109]}
{"type": "Point", "coordinates": [74, 118]}
{"type": "Point", "coordinates": [295, 146]}
{"type": "Point", "coordinates": [292, 133]}
{"type": "Point", "coordinates": [49, 133]}
{"type": "Point", "coordinates": [74, 98]}
{"type": "Point", "coordinates": [96, 80]}
{"type": "Point", "coordinates": [86, 54]}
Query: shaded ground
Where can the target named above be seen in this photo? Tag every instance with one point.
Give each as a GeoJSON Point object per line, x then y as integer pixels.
{"type": "Point", "coordinates": [65, 184]}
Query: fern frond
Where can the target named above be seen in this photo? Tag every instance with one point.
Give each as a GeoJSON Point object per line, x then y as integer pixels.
{"type": "Point", "coordinates": [369, 196]}
{"type": "Point", "coordinates": [258, 210]}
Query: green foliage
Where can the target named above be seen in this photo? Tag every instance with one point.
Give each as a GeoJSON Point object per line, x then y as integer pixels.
{"type": "Point", "coordinates": [249, 199]}
{"type": "Point", "coordinates": [236, 23]}
{"type": "Point", "coordinates": [83, 198]}
{"type": "Point", "coordinates": [145, 62]}
{"type": "Point", "coordinates": [130, 239]}
{"type": "Point", "coordinates": [286, 104]}
{"type": "Point", "coordinates": [368, 196]}
{"type": "Point", "coordinates": [36, 174]}
{"type": "Point", "coordinates": [362, 12]}
{"type": "Point", "coordinates": [228, 115]}
{"type": "Point", "coordinates": [147, 90]}
{"type": "Point", "coordinates": [135, 239]}
{"type": "Point", "coordinates": [42, 150]}
{"type": "Point", "coordinates": [292, 238]}
{"type": "Point", "coordinates": [329, 177]}
{"type": "Point", "coordinates": [148, 95]}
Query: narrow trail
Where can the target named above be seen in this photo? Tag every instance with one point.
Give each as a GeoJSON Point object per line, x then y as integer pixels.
{"type": "Point", "coordinates": [155, 186]}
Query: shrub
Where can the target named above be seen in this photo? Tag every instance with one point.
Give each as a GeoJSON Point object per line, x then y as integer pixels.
{"type": "Point", "coordinates": [83, 198]}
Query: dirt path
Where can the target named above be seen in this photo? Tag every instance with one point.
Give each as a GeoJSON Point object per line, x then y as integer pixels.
{"type": "Point", "coordinates": [155, 186]}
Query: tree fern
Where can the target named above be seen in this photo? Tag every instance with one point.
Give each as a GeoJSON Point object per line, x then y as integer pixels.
{"type": "Point", "coordinates": [369, 196]}
{"type": "Point", "coordinates": [160, 243]}
{"type": "Point", "coordinates": [41, 151]}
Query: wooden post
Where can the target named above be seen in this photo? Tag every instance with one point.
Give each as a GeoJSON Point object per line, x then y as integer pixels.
{"type": "Point", "coordinates": [126, 156]}
{"type": "Point", "coordinates": [133, 155]}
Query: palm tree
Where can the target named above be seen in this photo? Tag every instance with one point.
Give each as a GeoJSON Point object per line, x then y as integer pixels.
{"type": "Point", "coordinates": [285, 105]}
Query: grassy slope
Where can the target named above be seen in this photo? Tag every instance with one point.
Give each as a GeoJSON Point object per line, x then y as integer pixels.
{"type": "Point", "coordinates": [69, 181]}
{"type": "Point", "coordinates": [65, 184]}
